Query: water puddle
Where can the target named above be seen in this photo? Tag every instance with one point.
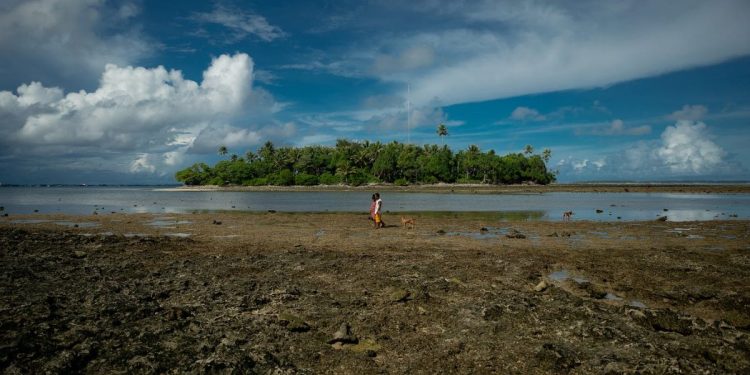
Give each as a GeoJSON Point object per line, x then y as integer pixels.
{"type": "Point", "coordinates": [103, 234]}
{"type": "Point", "coordinates": [72, 224]}
{"type": "Point", "coordinates": [167, 223]}
{"type": "Point", "coordinates": [638, 304]}
{"type": "Point", "coordinates": [695, 237]}
{"type": "Point", "coordinates": [612, 297]}
{"type": "Point", "coordinates": [320, 233]}
{"type": "Point", "coordinates": [679, 230]}
{"type": "Point", "coordinates": [715, 248]}
{"type": "Point", "coordinates": [563, 275]}
{"type": "Point", "coordinates": [178, 235]}
{"type": "Point", "coordinates": [599, 234]}
{"type": "Point", "coordinates": [29, 221]}
{"type": "Point", "coordinates": [474, 235]}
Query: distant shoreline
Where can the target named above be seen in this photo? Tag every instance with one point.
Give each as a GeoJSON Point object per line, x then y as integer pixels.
{"type": "Point", "coordinates": [701, 188]}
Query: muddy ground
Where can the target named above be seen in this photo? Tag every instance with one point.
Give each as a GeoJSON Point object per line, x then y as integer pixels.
{"type": "Point", "coordinates": [285, 293]}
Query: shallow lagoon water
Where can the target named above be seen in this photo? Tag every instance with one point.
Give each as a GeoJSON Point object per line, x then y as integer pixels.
{"type": "Point", "coordinates": [508, 207]}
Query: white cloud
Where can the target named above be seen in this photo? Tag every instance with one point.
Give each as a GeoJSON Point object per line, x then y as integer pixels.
{"type": "Point", "coordinates": [687, 149]}
{"type": "Point", "coordinates": [241, 23]}
{"type": "Point", "coordinates": [617, 127]}
{"type": "Point", "coordinates": [683, 150]}
{"type": "Point", "coordinates": [526, 113]}
{"type": "Point", "coordinates": [536, 47]}
{"type": "Point", "coordinates": [142, 163]}
{"type": "Point", "coordinates": [142, 119]}
{"type": "Point", "coordinates": [410, 58]}
{"type": "Point", "coordinates": [210, 138]}
{"type": "Point", "coordinates": [63, 42]}
{"type": "Point", "coordinates": [689, 113]}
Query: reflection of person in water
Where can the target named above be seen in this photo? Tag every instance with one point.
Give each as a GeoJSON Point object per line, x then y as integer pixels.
{"type": "Point", "coordinates": [378, 212]}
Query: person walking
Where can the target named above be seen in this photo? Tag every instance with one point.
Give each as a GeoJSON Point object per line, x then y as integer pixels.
{"type": "Point", "coordinates": [378, 212]}
{"type": "Point", "coordinates": [372, 211]}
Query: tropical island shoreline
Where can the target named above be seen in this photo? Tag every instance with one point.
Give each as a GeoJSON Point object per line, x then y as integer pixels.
{"type": "Point", "coordinates": [598, 187]}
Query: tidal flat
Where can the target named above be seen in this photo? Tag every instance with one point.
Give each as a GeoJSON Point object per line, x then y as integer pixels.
{"type": "Point", "coordinates": [326, 293]}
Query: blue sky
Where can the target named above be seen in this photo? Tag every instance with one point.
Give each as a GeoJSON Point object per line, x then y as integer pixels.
{"type": "Point", "coordinates": [95, 91]}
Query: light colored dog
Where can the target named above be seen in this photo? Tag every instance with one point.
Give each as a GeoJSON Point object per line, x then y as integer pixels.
{"type": "Point", "coordinates": [408, 221]}
{"type": "Point", "coordinates": [566, 215]}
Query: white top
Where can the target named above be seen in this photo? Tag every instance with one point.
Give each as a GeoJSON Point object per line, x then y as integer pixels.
{"type": "Point", "coordinates": [378, 205]}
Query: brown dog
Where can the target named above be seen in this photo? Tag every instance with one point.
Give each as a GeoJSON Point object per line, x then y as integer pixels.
{"type": "Point", "coordinates": [566, 215]}
{"type": "Point", "coordinates": [408, 221]}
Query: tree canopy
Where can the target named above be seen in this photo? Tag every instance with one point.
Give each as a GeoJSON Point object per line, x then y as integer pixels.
{"type": "Point", "coordinates": [358, 163]}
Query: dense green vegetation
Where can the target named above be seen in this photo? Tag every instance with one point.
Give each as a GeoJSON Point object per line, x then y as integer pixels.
{"type": "Point", "coordinates": [358, 163]}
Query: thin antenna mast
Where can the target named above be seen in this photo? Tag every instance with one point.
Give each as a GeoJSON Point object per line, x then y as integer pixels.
{"type": "Point", "coordinates": [408, 114]}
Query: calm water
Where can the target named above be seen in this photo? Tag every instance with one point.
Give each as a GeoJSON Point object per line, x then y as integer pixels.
{"type": "Point", "coordinates": [626, 206]}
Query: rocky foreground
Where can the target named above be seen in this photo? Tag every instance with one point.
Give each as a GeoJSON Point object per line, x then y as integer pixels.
{"type": "Point", "coordinates": [324, 293]}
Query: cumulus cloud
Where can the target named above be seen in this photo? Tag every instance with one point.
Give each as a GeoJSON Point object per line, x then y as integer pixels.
{"type": "Point", "coordinates": [689, 113]}
{"type": "Point", "coordinates": [525, 113]}
{"type": "Point", "coordinates": [241, 23]}
{"type": "Point", "coordinates": [538, 47]}
{"type": "Point", "coordinates": [143, 119]}
{"type": "Point", "coordinates": [684, 149]}
{"type": "Point", "coordinates": [66, 42]}
{"type": "Point", "coordinates": [687, 149]}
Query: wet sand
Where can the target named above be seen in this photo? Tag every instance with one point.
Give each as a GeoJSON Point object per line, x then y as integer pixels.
{"type": "Point", "coordinates": [326, 293]}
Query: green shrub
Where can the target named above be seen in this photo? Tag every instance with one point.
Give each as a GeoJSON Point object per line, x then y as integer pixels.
{"type": "Point", "coordinates": [217, 181]}
{"type": "Point", "coordinates": [464, 180]}
{"type": "Point", "coordinates": [305, 179]}
{"type": "Point", "coordinates": [329, 179]}
{"type": "Point", "coordinates": [283, 178]}
{"type": "Point", "coordinates": [430, 180]}
{"type": "Point", "coordinates": [359, 179]}
{"type": "Point", "coordinates": [401, 182]}
{"type": "Point", "coordinates": [260, 181]}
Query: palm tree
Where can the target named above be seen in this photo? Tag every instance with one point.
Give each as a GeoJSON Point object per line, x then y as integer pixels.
{"type": "Point", "coordinates": [546, 154]}
{"type": "Point", "coordinates": [223, 150]}
{"type": "Point", "coordinates": [528, 150]}
{"type": "Point", "coordinates": [442, 131]}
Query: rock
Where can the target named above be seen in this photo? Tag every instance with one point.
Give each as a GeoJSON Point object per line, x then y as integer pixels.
{"type": "Point", "coordinates": [343, 336]}
{"type": "Point", "coordinates": [598, 211]}
{"type": "Point", "coordinates": [216, 222]}
{"type": "Point", "coordinates": [483, 229]}
{"type": "Point", "coordinates": [493, 313]}
{"type": "Point", "coordinates": [367, 346]}
{"type": "Point", "coordinates": [79, 254]}
{"type": "Point", "coordinates": [515, 234]}
{"type": "Point", "coordinates": [661, 218]}
{"type": "Point", "coordinates": [293, 323]}
{"type": "Point", "coordinates": [440, 231]}
{"type": "Point", "coordinates": [666, 321]}
{"type": "Point", "coordinates": [593, 290]}
{"type": "Point", "coordinates": [558, 357]}
{"type": "Point", "coordinates": [542, 286]}
{"type": "Point", "coordinates": [399, 295]}
{"type": "Point", "coordinates": [271, 211]}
